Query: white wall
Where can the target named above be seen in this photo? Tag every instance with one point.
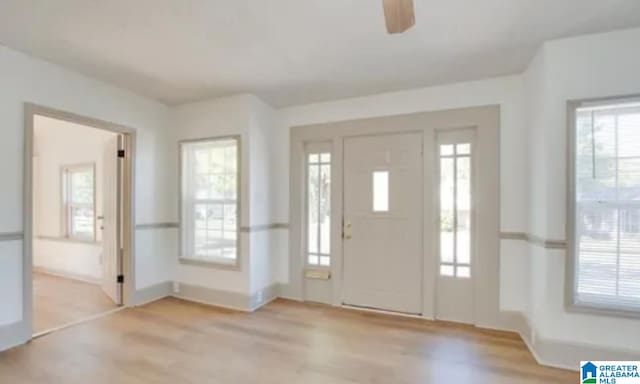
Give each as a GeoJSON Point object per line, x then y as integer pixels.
{"type": "Point", "coordinates": [75, 260]}
{"type": "Point", "coordinates": [505, 92]}
{"type": "Point", "coordinates": [25, 79]}
{"type": "Point", "coordinates": [593, 66]}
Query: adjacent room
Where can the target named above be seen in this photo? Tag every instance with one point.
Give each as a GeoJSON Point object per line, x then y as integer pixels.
{"type": "Point", "coordinates": [335, 191]}
{"type": "Point", "coordinates": [75, 223]}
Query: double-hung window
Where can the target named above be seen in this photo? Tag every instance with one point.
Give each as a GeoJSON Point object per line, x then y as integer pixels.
{"type": "Point", "coordinates": [209, 201]}
{"type": "Point", "coordinates": [78, 201]}
{"type": "Point", "coordinates": [604, 249]}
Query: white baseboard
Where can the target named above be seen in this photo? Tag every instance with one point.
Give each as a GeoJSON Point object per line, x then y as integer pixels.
{"type": "Point", "coordinates": [214, 297]}
{"type": "Point", "coordinates": [152, 293]}
{"type": "Point", "coordinates": [561, 353]}
{"type": "Point", "coordinates": [14, 334]}
{"type": "Point", "coordinates": [265, 296]}
{"type": "Point", "coordinates": [226, 299]}
{"type": "Point", "coordinates": [289, 293]}
{"type": "Point", "coordinates": [568, 354]}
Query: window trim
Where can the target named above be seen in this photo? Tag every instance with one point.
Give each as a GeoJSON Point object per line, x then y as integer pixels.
{"type": "Point", "coordinates": [64, 211]}
{"type": "Point", "coordinates": [237, 264]}
{"type": "Point", "coordinates": [309, 148]}
{"type": "Point", "coordinates": [570, 303]}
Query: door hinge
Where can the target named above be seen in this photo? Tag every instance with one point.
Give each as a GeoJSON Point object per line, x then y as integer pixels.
{"type": "Point", "coordinates": [121, 153]}
{"type": "Point", "coordinates": [120, 279]}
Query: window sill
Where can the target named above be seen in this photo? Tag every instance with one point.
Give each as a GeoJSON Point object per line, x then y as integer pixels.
{"type": "Point", "coordinates": [233, 266]}
{"type": "Point", "coordinates": [598, 310]}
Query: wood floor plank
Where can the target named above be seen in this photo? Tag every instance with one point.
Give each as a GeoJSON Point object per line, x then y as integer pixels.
{"type": "Point", "coordinates": [58, 301]}
{"type": "Point", "coordinates": [174, 341]}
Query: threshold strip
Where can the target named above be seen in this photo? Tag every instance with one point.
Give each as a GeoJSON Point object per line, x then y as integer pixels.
{"type": "Point", "coordinates": [85, 320]}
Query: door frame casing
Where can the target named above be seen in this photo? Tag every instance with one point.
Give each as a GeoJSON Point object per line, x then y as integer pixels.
{"type": "Point", "coordinates": [128, 201]}
{"type": "Point", "coordinates": [484, 119]}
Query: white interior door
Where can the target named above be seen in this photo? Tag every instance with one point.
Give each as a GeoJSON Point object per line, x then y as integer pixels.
{"type": "Point", "coordinates": [383, 222]}
{"type": "Point", "coordinates": [455, 283]}
{"type": "Point", "coordinates": [112, 213]}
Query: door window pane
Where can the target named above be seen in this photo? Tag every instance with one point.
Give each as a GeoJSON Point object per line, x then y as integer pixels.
{"type": "Point", "coordinates": [446, 270]}
{"type": "Point", "coordinates": [313, 193]}
{"type": "Point", "coordinates": [381, 191]}
{"type": "Point", "coordinates": [463, 271]}
{"type": "Point", "coordinates": [446, 150]}
{"type": "Point", "coordinates": [463, 210]}
{"type": "Point", "coordinates": [463, 149]}
{"type": "Point", "coordinates": [446, 210]}
{"type": "Point", "coordinates": [325, 214]}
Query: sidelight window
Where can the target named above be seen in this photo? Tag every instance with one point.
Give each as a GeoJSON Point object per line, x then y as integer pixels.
{"type": "Point", "coordinates": [455, 210]}
{"type": "Point", "coordinates": [318, 169]}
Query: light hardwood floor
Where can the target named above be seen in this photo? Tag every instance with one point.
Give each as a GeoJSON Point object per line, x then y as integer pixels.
{"type": "Point", "coordinates": [173, 341]}
{"type": "Point", "coordinates": [58, 301]}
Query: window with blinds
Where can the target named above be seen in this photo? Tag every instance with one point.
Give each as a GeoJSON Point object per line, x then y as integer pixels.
{"type": "Point", "coordinates": [606, 238]}
{"type": "Point", "coordinates": [210, 195]}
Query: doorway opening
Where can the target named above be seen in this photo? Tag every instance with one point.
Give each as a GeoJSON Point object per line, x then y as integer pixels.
{"type": "Point", "coordinates": [78, 225]}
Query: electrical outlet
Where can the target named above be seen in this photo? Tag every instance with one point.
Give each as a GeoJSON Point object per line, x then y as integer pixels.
{"type": "Point", "coordinates": [176, 287]}
{"type": "Point", "coordinates": [259, 296]}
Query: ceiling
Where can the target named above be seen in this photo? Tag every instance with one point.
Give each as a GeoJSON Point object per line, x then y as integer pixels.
{"type": "Point", "coordinates": [294, 51]}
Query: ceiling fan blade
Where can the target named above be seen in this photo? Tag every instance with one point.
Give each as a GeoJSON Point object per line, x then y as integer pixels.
{"type": "Point", "coordinates": [399, 15]}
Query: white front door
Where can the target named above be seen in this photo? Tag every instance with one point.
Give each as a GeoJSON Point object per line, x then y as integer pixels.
{"type": "Point", "coordinates": [111, 224]}
{"type": "Point", "coordinates": [456, 272]}
{"type": "Point", "coordinates": [383, 222]}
